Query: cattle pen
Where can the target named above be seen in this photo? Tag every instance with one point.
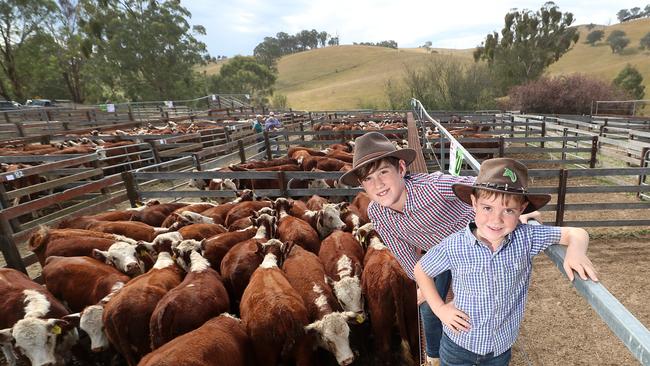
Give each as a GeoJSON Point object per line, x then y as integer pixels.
{"type": "Point", "coordinates": [159, 167]}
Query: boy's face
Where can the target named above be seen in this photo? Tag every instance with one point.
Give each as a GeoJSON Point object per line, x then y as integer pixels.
{"type": "Point", "coordinates": [385, 185]}
{"type": "Point", "coordinates": [496, 217]}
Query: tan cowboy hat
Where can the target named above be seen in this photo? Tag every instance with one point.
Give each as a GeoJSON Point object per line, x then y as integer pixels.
{"type": "Point", "coordinates": [503, 175]}
{"type": "Point", "coordinates": [370, 147]}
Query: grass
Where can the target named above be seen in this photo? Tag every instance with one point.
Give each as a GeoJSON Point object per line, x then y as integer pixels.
{"type": "Point", "coordinates": [599, 60]}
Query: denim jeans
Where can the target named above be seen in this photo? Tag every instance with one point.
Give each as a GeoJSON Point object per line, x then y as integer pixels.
{"type": "Point", "coordinates": [452, 354]}
{"type": "Point", "coordinates": [432, 325]}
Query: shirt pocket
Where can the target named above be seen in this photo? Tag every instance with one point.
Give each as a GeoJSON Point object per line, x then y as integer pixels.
{"type": "Point", "coordinates": [473, 294]}
{"type": "Point", "coordinates": [515, 273]}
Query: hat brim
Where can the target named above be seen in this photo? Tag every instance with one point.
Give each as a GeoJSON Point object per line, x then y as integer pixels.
{"type": "Point", "coordinates": [351, 178]}
{"type": "Point", "coordinates": [535, 201]}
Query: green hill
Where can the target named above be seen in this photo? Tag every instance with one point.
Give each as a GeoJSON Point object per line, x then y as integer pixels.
{"type": "Point", "coordinates": [352, 77]}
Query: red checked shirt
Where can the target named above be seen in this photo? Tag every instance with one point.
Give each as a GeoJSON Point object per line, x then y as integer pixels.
{"type": "Point", "coordinates": [431, 213]}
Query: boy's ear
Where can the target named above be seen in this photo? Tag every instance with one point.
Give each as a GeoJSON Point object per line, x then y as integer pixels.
{"type": "Point", "coordinates": [402, 167]}
{"type": "Point", "coordinates": [524, 205]}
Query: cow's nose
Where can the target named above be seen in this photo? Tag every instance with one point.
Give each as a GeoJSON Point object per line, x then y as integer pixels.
{"type": "Point", "coordinates": [98, 349]}
{"type": "Point", "coordinates": [347, 361]}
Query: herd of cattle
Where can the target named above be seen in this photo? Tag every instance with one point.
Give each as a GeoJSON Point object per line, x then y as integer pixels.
{"type": "Point", "coordinates": [250, 281]}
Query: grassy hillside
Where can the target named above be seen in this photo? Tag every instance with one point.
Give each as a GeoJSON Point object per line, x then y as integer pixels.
{"type": "Point", "coordinates": [347, 77]}
{"type": "Point", "coordinates": [599, 60]}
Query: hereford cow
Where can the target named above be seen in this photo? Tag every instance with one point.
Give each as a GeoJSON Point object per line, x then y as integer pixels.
{"type": "Point", "coordinates": [391, 298]}
{"type": "Point", "coordinates": [31, 322]}
{"type": "Point", "coordinates": [195, 207]}
{"type": "Point", "coordinates": [201, 291]}
{"type": "Point", "coordinates": [273, 313]}
{"type": "Point", "coordinates": [342, 258]}
{"type": "Point", "coordinates": [306, 274]}
{"type": "Point", "coordinates": [132, 229]}
{"type": "Point", "coordinates": [80, 281]}
{"type": "Point", "coordinates": [221, 341]}
{"type": "Point", "coordinates": [126, 316]}
{"type": "Point", "coordinates": [127, 258]}
{"type": "Point", "coordinates": [293, 229]}
{"type": "Point", "coordinates": [216, 247]}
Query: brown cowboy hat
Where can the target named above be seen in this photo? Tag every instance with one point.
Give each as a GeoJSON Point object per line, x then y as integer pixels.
{"type": "Point", "coordinates": [503, 175]}
{"type": "Point", "coordinates": [370, 147]}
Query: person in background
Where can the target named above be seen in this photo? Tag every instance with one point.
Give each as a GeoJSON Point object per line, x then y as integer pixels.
{"type": "Point", "coordinates": [272, 123]}
{"type": "Point", "coordinates": [491, 261]}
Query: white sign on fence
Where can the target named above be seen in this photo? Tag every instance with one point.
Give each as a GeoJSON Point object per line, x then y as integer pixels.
{"type": "Point", "coordinates": [455, 159]}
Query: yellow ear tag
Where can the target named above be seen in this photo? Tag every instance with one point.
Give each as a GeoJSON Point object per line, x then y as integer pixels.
{"type": "Point", "coordinates": [360, 318]}
{"type": "Point", "coordinates": [56, 330]}
{"type": "Point", "coordinates": [142, 252]}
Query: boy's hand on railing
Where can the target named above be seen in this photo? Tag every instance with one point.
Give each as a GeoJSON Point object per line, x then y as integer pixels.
{"type": "Point", "coordinates": [453, 318]}
{"type": "Point", "coordinates": [535, 215]}
{"type": "Point", "coordinates": [576, 260]}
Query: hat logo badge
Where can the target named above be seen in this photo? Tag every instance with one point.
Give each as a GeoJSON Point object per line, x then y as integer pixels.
{"type": "Point", "coordinates": [510, 174]}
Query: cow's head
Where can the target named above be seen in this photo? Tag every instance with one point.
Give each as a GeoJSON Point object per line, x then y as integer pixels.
{"type": "Point", "coordinates": [329, 219]}
{"type": "Point", "coordinates": [90, 321]}
{"type": "Point", "coordinates": [332, 333]}
{"type": "Point", "coordinates": [183, 252]}
{"type": "Point", "coordinates": [163, 242]}
{"type": "Point", "coordinates": [122, 256]}
{"type": "Point", "coordinates": [266, 226]}
{"type": "Point", "coordinates": [42, 341]}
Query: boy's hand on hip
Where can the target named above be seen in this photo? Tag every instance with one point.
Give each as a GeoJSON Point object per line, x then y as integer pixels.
{"type": "Point", "coordinates": [581, 264]}
{"type": "Point", "coordinates": [453, 318]}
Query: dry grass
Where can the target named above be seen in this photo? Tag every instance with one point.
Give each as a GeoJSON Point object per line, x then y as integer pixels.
{"type": "Point", "coordinates": [599, 60]}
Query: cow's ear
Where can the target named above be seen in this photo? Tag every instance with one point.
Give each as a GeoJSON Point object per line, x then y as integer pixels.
{"type": "Point", "coordinates": [73, 319]}
{"type": "Point", "coordinates": [351, 316]}
{"type": "Point", "coordinates": [5, 336]}
{"type": "Point", "coordinates": [329, 281]}
{"type": "Point", "coordinates": [358, 270]}
{"type": "Point", "coordinates": [101, 255]}
{"type": "Point", "coordinates": [143, 248]}
{"type": "Point", "coordinates": [313, 327]}
{"type": "Point", "coordinates": [343, 205]}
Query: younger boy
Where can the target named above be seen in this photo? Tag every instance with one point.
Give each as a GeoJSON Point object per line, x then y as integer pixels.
{"type": "Point", "coordinates": [491, 261]}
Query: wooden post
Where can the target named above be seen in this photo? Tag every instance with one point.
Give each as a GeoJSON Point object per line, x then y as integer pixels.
{"type": "Point", "coordinates": [594, 151]}
{"type": "Point", "coordinates": [526, 128]}
{"type": "Point", "coordinates": [565, 134]}
{"type": "Point", "coordinates": [225, 131]}
{"type": "Point", "coordinates": [502, 144]}
{"type": "Point", "coordinates": [242, 151]}
{"type": "Point", "coordinates": [19, 128]}
{"type": "Point", "coordinates": [643, 164]}
{"type": "Point", "coordinates": [267, 145]}
{"type": "Point", "coordinates": [541, 144]}
{"type": "Point", "coordinates": [154, 151]}
{"type": "Point", "coordinates": [561, 197]}
{"type": "Point", "coordinates": [197, 162]}
{"type": "Point", "coordinates": [9, 119]}
{"type": "Point", "coordinates": [282, 183]}
{"type": "Point", "coordinates": [302, 129]}
{"type": "Point", "coordinates": [131, 188]}
{"type": "Point", "coordinates": [130, 113]}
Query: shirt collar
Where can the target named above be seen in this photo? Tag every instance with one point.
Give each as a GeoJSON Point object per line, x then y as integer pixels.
{"type": "Point", "coordinates": [469, 234]}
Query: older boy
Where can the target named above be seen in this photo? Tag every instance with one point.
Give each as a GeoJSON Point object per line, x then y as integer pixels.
{"type": "Point", "coordinates": [491, 261]}
{"type": "Point", "coordinates": [411, 212]}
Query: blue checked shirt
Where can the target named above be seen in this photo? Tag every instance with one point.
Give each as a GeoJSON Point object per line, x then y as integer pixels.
{"type": "Point", "coordinates": [490, 287]}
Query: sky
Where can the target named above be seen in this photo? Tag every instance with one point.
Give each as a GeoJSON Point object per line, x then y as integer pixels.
{"type": "Point", "coordinates": [236, 27]}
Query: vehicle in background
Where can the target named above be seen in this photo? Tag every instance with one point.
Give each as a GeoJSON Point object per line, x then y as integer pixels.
{"type": "Point", "coordinates": [39, 103]}
{"type": "Point", "coordinates": [6, 105]}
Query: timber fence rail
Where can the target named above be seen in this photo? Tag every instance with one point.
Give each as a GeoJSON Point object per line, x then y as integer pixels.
{"type": "Point", "coordinates": [634, 335]}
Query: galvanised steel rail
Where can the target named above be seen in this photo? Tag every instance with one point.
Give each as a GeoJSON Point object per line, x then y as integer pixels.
{"type": "Point", "coordinates": [634, 335]}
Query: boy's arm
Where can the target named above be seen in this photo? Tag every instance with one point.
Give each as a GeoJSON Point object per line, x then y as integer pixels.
{"type": "Point", "coordinates": [453, 318]}
{"type": "Point", "coordinates": [577, 240]}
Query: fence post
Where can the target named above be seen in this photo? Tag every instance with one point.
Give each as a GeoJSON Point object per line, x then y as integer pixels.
{"type": "Point", "coordinates": [594, 151]}
{"type": "Point", "coordinates": [267, 145]}
{"type": "Point", "coordinates": [131, 188]}
{"type": "Point", "coordinates": [282, 183]}
{"type": "Point", "coordinates": [541, 144]}
{"type": "Point", "coordinates": [9, 250]}
{"type": "Point", "coordinates": [527, 127]}
{"type": "Point", "coordinates": [643, 164]}
{"type": "Point", "coordinates": [302, 130]}
{"type": "Point", "coordinates": [502, 143]}
{"type": "Point", "coordinates": [19, 127]}
{"type": "Point", "coordinates": [565, 134]}
{"type": "Point", "coordinates": [154, 151]}
{"type": "Point", "coordinates": [561, 197]}
{"type": "Point", "coordinates": [242, 151]}
{"type": "Point", "coordinates": [225, 131]}
{"type": "Point", "coordinates": [197, 162]}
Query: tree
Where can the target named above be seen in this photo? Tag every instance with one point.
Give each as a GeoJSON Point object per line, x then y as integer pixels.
{"type": "Point", "coordinates": [617, 41]}
{"type": "Point", "coordinates": [635, 12]}
{"type": "Point", "coordinates": [529, 43]}
{"type": "Point", "coordinates": [143, 49]}
{"type": "Point", "coordinates": [594, 37]}
{"type": "Point", "coordinates": [322, 38]}
{"type": "Point", "coordinates": [623, 15]}
{"type": "Point", "coordinates": [644, 43]}
{"type": "Point", "coordinates": [20, 21]}
{"type": "Point", "coordinates": [630, 80]}
{"type": "Point", "coordinates": [334, 41]}
{"type": "Point", "coordinates": [245, 74]}
{"type": "Point", "coordinates": [646, 10]}
{"type": "Point", "coordinates": [591, 26]}
{"type": "Point", "coordinates": [269, 51]}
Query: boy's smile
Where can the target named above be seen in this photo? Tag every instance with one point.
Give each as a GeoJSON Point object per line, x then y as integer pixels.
{"type": "Point", "coordinates": [386, 186]}
{"type": "Point", "coordinates": [496, 217]}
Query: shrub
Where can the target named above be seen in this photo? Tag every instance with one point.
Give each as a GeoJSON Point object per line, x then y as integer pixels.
{"type": "Point", "coordinates": [617, 41]}
{"type": "Point", "coordinates": [562, 95]}
{"type": "Point", "coordinates": [594, 37]}
{"type": "Point", "coordinates": [630, 80]}
{"type": "Point", "coordinates": [644, 43]}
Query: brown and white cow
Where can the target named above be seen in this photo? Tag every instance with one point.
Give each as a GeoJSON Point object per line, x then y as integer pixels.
{"type": "Point", "coordinates": [273, 313]}
{"type": "Point", "coordinates": [391, 298]}
{"type": "Point", "coordinates": [221, 341]}
{"type": "Point", "coordinates": [31, 322]}
{"type": "Point", "coordinates": [293, 229]}
{"type": "Point", "coordinates": [132, 229]}
{"type": "Point", "coordinates": [200, 297]}
{"type": "Point", "coordinates": [194, 207]}
{"type": "Point", "coordinates": [80, 281]}
{"type": "Point", "coordinates": [127, 258]}
{"type": "Point", "coordinates": [216, 247]}
{"type": "Point", "coordinates": [306, 275]}
{"type": "Point", "coordinates": [126, 316]}
{"type": "Point", "coordinates": [342, 258]}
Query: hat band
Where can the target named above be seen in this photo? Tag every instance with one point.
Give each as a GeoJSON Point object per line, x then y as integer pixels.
{"type": "Point", "coordinates": [502, 187]}
{"type": "Point", "coordinates": [371, 156]}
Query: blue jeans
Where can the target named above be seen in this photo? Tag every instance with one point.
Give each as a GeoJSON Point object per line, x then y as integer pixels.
{"type": "Point", "coordinates": [432, 325]}
{"type": "Point", "coordinates": [452, 354]}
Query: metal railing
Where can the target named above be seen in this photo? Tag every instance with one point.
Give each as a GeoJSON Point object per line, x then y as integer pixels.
{"type": "Point", "coordinates": [634, 335]}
